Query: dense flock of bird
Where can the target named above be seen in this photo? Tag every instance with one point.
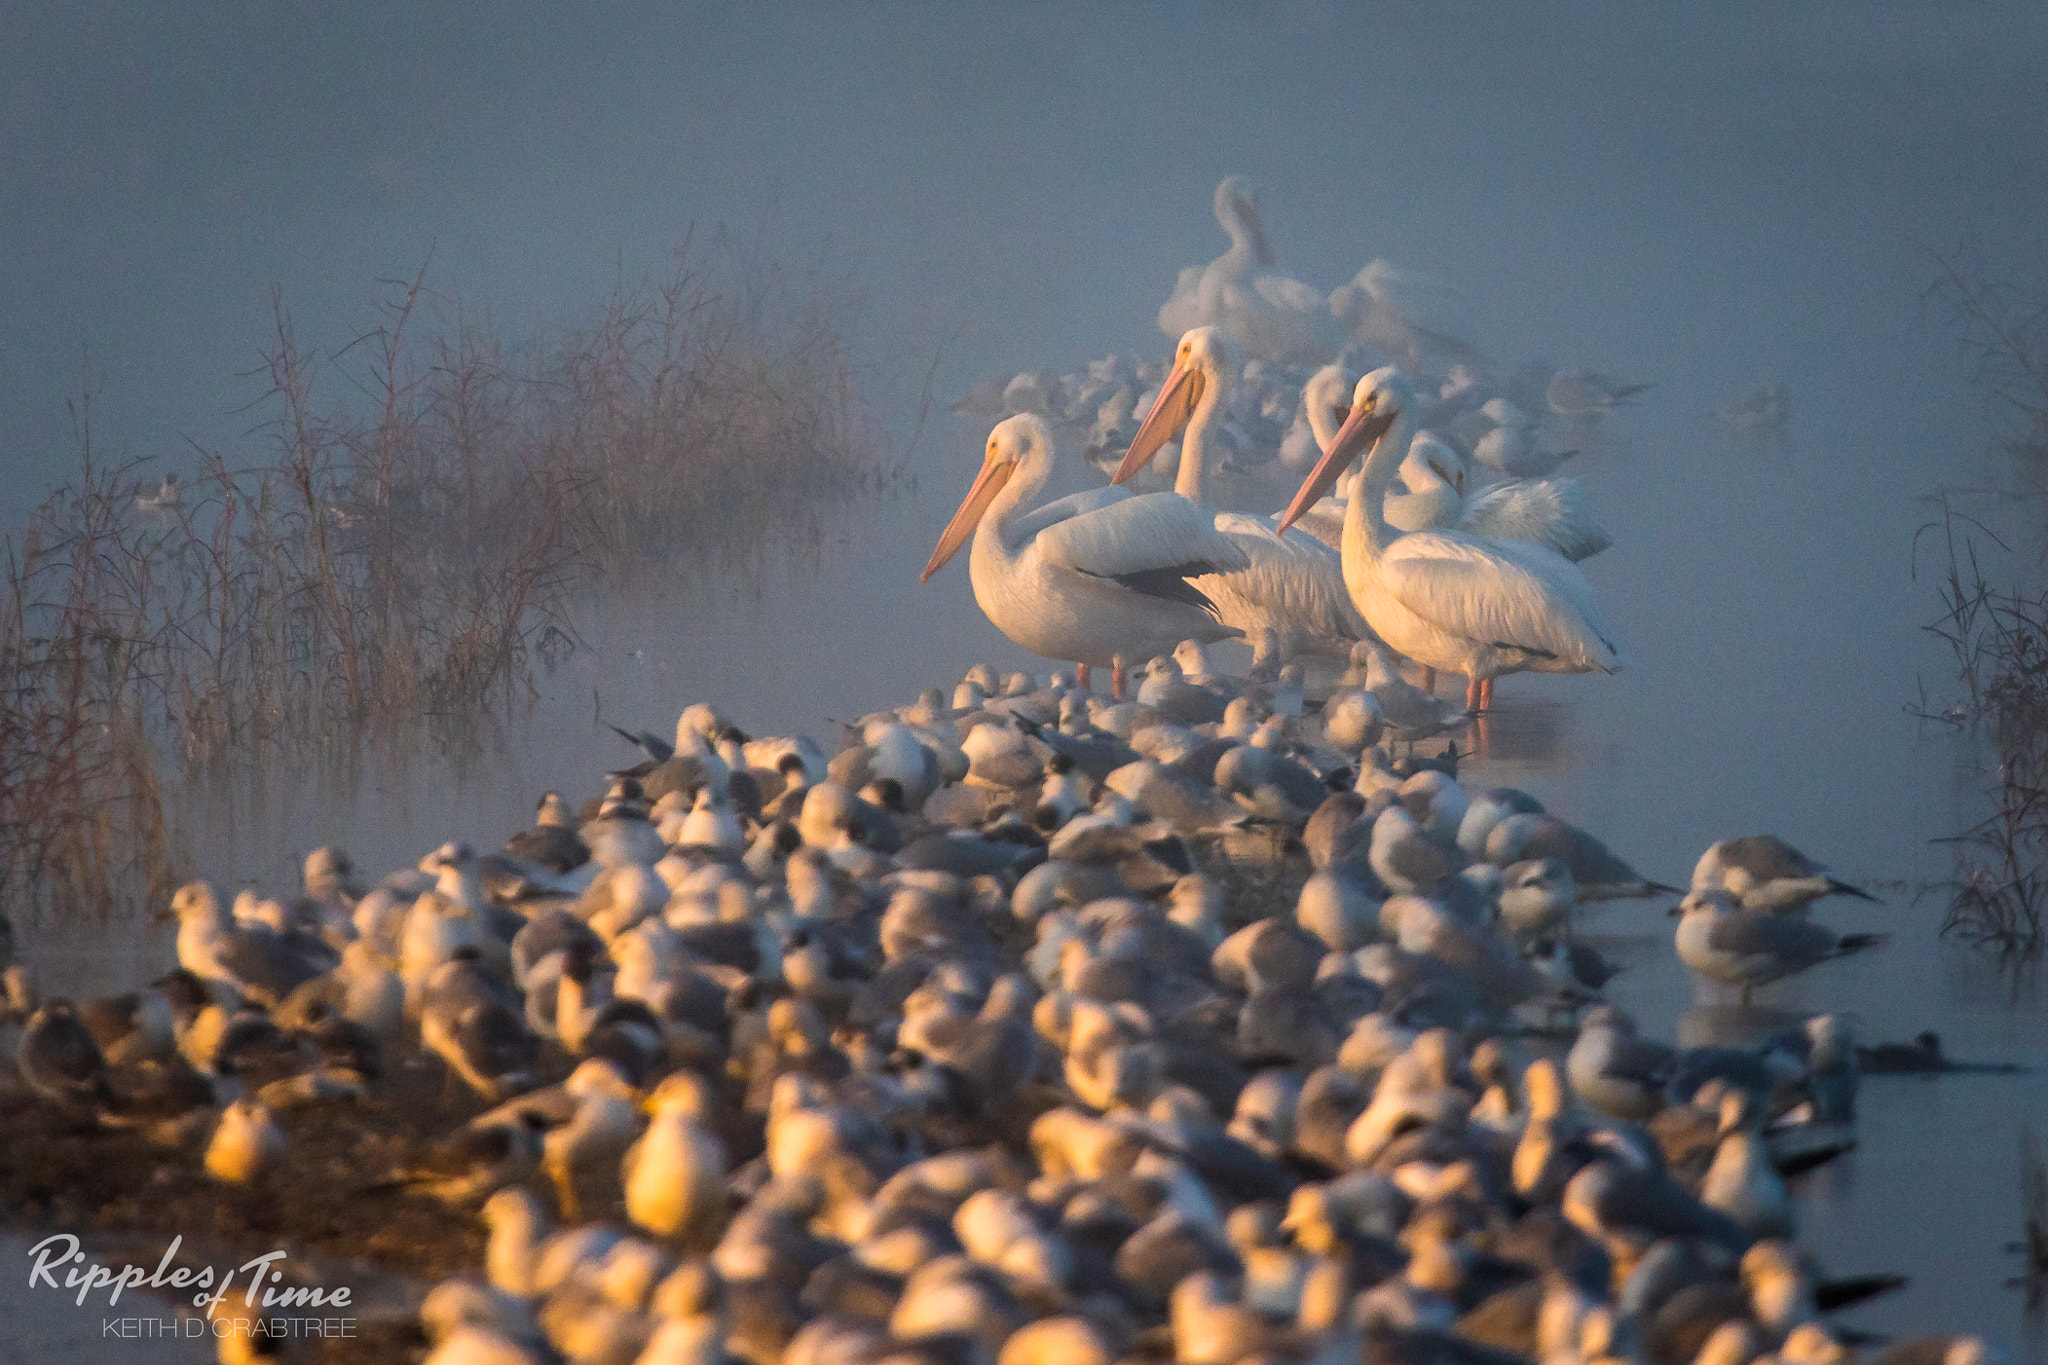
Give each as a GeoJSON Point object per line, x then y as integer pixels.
{"type": "Point", "coordinates": [992, 1039]}
{"type": "Point", "coordinates": [1002, 1036]}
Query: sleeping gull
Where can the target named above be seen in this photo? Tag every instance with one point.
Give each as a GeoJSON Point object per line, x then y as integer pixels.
{"type": "Point", "coordinates": [1763, 872]}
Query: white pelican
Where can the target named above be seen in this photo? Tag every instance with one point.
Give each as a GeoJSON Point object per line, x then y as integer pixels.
{"type": "Point", "coordinates": [1552, 512]}
{"type": "Point", "coordinates": [1293, 582]}
{"type": "Point", "coordinates": [1273, 317]}
{"type": "Point", "coordinates": [1404, 312]}
{"type": "Point", "coordinates": [1443, 598]}
{"type": "Point", "coordinates": [1099, 577]}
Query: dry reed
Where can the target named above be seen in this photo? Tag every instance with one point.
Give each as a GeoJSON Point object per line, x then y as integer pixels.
{"type": "Point", "coordinates": [413, 547]}
{"type": "Point", "coordinates": [1999, 637]}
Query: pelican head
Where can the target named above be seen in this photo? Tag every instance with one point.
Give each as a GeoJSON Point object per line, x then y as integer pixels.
{"type": "Point", "coordinates": [1013, 440]}
{"type": "Point", "coordinates": [1378, 401]}
{"type": "Point", "coordinates": [1430, 452]}
{"type": "Point", "coordinates": [1204, 357]}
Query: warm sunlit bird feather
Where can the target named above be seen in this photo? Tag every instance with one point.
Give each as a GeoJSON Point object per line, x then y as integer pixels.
{"type": "Point", "coordinates": [1097, 578]}
{"type": "Point", "coordinates": [1292, 582]}
{"type": "Point", "coordinates": [1444, 598]}
{"type": "Point", "coordinates": [1273, 317]}
{"type": "Point", "coordinates": [1433, 497]}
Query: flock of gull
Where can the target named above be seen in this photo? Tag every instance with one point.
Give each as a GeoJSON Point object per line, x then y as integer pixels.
{"type": "Point", "coordinates": [1201, 1021]}
{"type": "Point", "coordinates": [993, 1040]}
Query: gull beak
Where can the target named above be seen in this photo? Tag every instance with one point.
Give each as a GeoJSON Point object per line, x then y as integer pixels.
{"type": "Point", "coordinates": [1361, 431]}
{"type": "Point", "coordinates": [1170, 412]}
{"type": "Point", "coordinates": [994, 474]}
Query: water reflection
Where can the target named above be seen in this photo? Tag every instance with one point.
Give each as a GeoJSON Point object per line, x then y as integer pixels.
{"type": "Point", "coordinates": [1719, 1024]}
{"type": "Point", "coordinates": [1526, 737]}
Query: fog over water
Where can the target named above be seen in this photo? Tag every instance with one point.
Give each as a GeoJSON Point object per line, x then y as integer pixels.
{"type": "Point", "coordinates": [1706, 197]}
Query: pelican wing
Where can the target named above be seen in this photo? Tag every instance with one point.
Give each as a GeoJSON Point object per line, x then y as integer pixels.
{"type": "Point", "coordinates": [1073, 505]}
{"type": "Point", "coordinates": [1291, 577]}
{"type": "Point", "coordinates": [1552, 512]}
{"type": "Point", "coordinates": [1141, 538]}
{"type": "Point", "coordinates": [1506, 593]}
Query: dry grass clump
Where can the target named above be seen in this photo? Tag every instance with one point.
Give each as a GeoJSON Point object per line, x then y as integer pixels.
{"type": "Point", "coordinates": [1999, 637]}
{"type": "Point", "coordinates": [406, 532]}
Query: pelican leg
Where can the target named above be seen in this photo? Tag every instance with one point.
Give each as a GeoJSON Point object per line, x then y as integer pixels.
{"type": "Point", "coordinates": [1486, 695]}
{"type": "Point", "coordinates": [1428, 679]}
{"type": "Point", "coordinates": [1116, 677]}
{"type": "Point", "coordinates": [1472, 702]}
{"type": "Point", "coordinates": [1084, 677]}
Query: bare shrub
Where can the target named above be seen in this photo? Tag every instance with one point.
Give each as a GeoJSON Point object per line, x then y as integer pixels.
{"type": "Point", "coordinates": [413, 545]}
{"type": "Point", "coordinates": [1999, 637]}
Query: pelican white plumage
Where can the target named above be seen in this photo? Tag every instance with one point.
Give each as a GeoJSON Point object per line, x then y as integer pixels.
{"type": "Point", "coordinates": [1271, 316]}
{"type": "Point", "coordinates": [1292, 582]}
{"type": "Point", "coordinates": [1552, 512]}
{"type": "Point", "coordinates": [1099, 577]}
{"type": "Point", "coordinates": [1444, 598]}
{"type": "Point", "coordinates": [1404, 312]}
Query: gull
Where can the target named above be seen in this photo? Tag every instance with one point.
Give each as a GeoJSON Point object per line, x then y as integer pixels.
{"type": "Point", "coordinates": [1538, 897]}
{"type": "Point", "coordinates": [59, 1059]}
{"type": "Point", "coordinates": [1615, 1071]}
{"type": "Point", "coordinates": [1408, 858]}
{"type": "Point", "coordinates": [552, 842]}
{"type": "Point", "coordinates": [249, 960]}
{"type": "Point", "coordinates": [1597, 873]}
{"type": "Point", "coordinates": [1763, 872]}
{"type": "Point", "coordinates": [483, 1041]}
{"type": "Point", "coordinates": [1742, 1182]}
{"type": "Point", "coordinates": [246, 1143]}
{"type": "Point", "coordinates": [1764, 408]}
{"type": "Point", "coordinates": [1747, 949]}
{"type": "Point", "coordinates": [487, 1154]}
{"type": "Point", "coordinates": [1587, 393]}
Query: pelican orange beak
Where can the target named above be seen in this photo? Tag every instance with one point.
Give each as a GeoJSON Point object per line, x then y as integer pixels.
{"type": "Point", "coordinates": [1170, 412]}
{"type": "Point", "coordinates": [1362, 429]}
{"type": "Point", "coordinates": [994, 474]}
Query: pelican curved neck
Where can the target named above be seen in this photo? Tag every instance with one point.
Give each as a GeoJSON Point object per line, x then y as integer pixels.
{"type": "Point", "coordinates": [1365, 514]}
{"type": "Point", "coordinates": [1240, 219]}
{"type": "Point", "coordinates": [1020, 494]}
{"type": "Point", "coordinates": [1191, 480]}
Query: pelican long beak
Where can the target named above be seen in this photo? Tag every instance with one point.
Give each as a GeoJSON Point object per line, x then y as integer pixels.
{"type": "Point", "coordinates": [1170, 412]}
{"type": "Point", "coordinates": [1361, 431]}
{"type": "Point", "coordinates": [994, 474]}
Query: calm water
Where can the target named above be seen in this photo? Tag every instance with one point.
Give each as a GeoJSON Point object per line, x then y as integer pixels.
{"type": "Point", "coordinates": [1707, 200]}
